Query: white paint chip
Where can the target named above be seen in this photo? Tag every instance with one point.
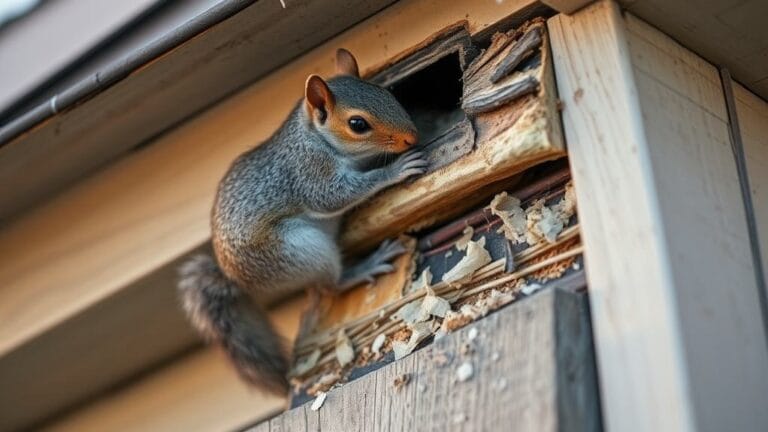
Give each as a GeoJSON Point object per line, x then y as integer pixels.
{"type": "Point", "coordinates": [378, 343]}
{"type": "Point", "coordinates": [530, 288]}
{"type": "Point", "coordinates": [319, 401]}
{"type": "Point", "coordinates": [473, 333]}
{"type": "Point", "coordinates": [419, 332]}
{"type": "Point", "coordinates": [465, 371]}
{"type": "Point", "coordinates": [345, 353]}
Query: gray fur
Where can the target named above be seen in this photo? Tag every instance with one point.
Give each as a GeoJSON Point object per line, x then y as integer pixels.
{"type": "Point", "coordinates": [275, 222]}
{"type": "Point", "coordinates": [225, 315]}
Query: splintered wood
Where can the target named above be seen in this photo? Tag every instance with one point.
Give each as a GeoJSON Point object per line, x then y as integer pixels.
{"type": "Point", "coordinates": [429, 306]}
{"type": "Point", "coordinates": [507, 249]}
{"type": "Point", "coordinates": [514, 125]}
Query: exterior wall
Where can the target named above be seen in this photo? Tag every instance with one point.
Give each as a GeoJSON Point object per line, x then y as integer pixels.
{"type": "Point", "coordinates": [673, 292]}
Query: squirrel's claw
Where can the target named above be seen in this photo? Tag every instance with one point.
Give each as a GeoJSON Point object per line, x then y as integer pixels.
{"type": "Point", "coordinates": [409, 164]}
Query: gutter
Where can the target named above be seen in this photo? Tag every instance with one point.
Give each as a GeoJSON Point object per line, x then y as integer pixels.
{"type": "Point", "coordinates": [118, 70]}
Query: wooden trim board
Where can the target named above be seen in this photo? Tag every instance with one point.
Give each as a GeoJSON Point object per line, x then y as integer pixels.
{"type": "Point", "coordinates": [678, 331]}
{"type": "Point", "coordinates": [532, 370]}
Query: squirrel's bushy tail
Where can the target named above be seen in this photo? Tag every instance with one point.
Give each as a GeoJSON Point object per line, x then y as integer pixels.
{"type": "Point", "coordinates": [225, 314]}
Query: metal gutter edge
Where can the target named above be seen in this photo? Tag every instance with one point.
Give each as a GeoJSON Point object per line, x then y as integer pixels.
{"type": "Point", "coordinates": [83, 89]}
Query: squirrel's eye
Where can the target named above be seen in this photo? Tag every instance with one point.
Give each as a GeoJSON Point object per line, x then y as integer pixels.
{"type": "Point", "coordinates": [358, 124]}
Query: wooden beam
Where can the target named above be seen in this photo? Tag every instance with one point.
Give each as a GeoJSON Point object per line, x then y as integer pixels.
{"type": "Point", "coordinates": [532, 370]}
{"type": "Point", "coordinates": [753, 118]}
{"type": "Point", "coordinates": [678, 330]}
{"type": "Point", "coordinates": [127, 225]}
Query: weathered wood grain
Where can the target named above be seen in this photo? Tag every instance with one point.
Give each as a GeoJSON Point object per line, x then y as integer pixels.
{"type": "Point", "coordinates": [753, 118]}
{"type": "Point", "coordinates": [678, 331]}
{"type": "Point", "coordinates": [533, 371]}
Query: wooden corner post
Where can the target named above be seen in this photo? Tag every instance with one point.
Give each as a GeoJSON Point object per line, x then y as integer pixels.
{"type": "Point", "coordinates": [678, 331]}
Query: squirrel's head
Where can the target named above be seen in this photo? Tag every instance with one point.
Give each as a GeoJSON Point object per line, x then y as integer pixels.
{"type": "Point", "coordinates": [356, 116]}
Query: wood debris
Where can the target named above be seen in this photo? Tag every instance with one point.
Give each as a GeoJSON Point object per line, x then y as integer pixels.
{"type": "Point", "coordinates": [345, 353]}
{"type": "Point", "coordinates": [306, 364]}
{"type": "Point", "coordinates": [419, 332]}
{"type": "Point", "coordinates": [465, 371]}
{"type": "Point", "coordinates": [324, 383]}
{"type": "Point", "coordinates": [469, 290]}
{"type": "Point", "coordinates": [422, 282]}
{"type": "Point", "coordinates": [538, 222]}
{"type": "Point", "coordinates": [477, 256]}
{"type": "Point", "coordinates": [466, 237]}
{"type": "Point", "coordinates": [319, 401]}
{"type": "Point", "coordinates": [494, 78]}
{"type": "Point", "coordinates": [401, 381]}
{"type": "Point", "coordinates": [411, 313]}
{"type": "Point", "coordinates": [512, 216]}
{"type": "Point", "coordinates": [378, 343]}
{"type": "Point", "coordinates": [435, 306]}
{"type": "Point", "coordinates": [529, 289]}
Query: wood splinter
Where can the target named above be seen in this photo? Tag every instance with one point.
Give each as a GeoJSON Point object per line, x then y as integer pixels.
{"type": "Point", "coordinates": [524, 48]}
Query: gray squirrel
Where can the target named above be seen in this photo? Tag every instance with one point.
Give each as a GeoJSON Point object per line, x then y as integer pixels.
{"type": "Point", "coordinates": [277, 212]}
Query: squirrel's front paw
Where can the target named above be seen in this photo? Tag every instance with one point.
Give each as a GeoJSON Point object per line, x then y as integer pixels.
{"type": "Point", "coordinates": [408, 164]}
{"type": "Point", "coordinates": [375, 265]}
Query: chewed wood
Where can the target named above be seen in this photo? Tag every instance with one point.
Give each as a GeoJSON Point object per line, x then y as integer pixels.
{"type": "Point", "coordinates": [533, 137]}
{"type": "Point", "coordinates": [533, 370]}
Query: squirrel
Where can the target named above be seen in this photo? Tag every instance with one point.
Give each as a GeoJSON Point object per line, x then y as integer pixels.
{"type": "Point", "coordinates": [278, 209]}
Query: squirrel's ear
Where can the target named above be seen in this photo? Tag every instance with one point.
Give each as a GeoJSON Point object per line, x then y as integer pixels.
{"type": "Point", "coordinates": [318, 97]}
{"type": "Point", "coordinates": [346, 63]}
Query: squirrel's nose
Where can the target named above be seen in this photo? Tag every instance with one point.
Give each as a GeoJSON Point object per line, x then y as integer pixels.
{"type": "Point", "coordinates": [410, 139]}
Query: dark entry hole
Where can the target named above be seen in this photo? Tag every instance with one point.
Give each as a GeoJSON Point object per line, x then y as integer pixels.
{"type": "Point", "coordinates": [432, 97]}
